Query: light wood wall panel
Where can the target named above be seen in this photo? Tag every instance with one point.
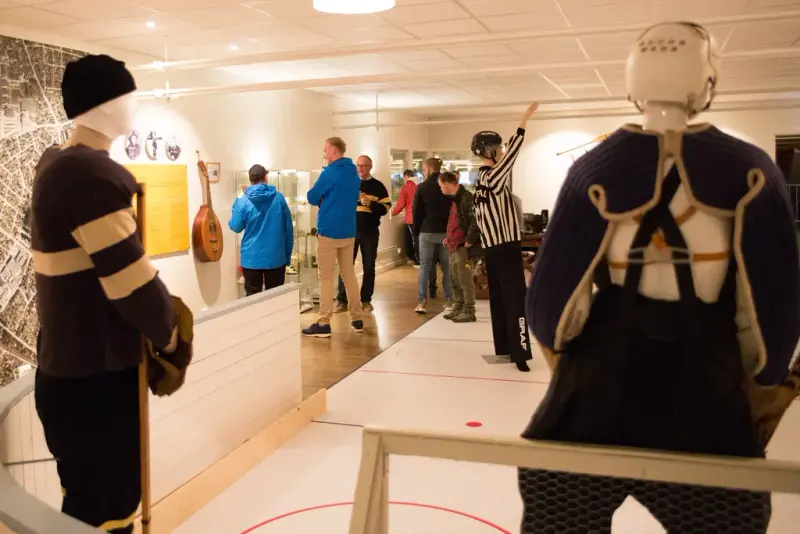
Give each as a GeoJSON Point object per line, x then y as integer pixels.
{"type": "Point", "coordinates": [245, 375]}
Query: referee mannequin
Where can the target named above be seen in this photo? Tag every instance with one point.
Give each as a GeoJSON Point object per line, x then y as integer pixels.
{"type": "Point", "coordinates": [501, 235]}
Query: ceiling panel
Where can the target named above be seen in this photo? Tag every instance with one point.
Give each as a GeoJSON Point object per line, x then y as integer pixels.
{"type": "Point", "coordinates": [694, 9]}
{"type": "Point", "coordinates": [549, 51]}
{"type": "Point", "coordinates": [550, 20]}
{"type": "Point", "coordinates": [508, 60]}
{"type": "Point", "coordinates": [28, 17]}
{"type": "Point", "coordinates": [616, 46]}
{"type": "Point", "coordinates": [490, 8]}
{"type": "Point", "coordinates": [126, 27]}
{"type": "Point", "coordinates": [287, 10]}
{"type": "Point", "coordinates": [407, 16]}
{"type": "Point", "coordinates": [224, 16]}
{"type": "Point", "coordinates": [94, 10]}
{"type": "Point", "coordinates": [762, 35]}
{"type": "Point", "coordinates": [414, 55]}
{"type": "Point", "coordinates": [341, 23]}
{"type": "Point", "coordinates": [593, 13]}
{"type": "Point", "coordinates": [445, 28]}
{"type": "Point", "coordinates": [365, 64]}
{"type": "Point", "coordinates": [434, 65]}
{"type": "Point", "coordinates": [488, 50]}
{"type": "Point", "coordinates": [367, 35]}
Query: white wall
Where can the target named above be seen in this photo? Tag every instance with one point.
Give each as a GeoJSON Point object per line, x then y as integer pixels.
{"type": "Point", "coordinates": [377, 143]}
{"type": "Point", "coordinates": [284, 129]}
{"type": "Point", "coordinates": [280, 130]}
{"type": "Point", "coordinates": [539, 173]}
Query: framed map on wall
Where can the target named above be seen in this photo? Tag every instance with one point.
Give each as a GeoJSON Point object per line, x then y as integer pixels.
{"type": "Point", "coordinates": [31, 120]}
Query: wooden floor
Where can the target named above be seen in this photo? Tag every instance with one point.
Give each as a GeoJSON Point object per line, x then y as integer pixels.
{"type": "Point", "coordinates": [327, 361]}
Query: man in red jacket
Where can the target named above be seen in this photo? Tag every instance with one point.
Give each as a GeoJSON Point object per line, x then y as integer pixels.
{"type": "Point", "coordinates": [405, 202]}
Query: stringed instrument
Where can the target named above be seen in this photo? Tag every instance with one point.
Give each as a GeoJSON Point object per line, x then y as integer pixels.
{"type": "Point", "coordinates": [206, 230]}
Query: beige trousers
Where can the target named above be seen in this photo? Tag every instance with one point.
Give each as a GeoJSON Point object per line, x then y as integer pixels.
{"type": "Point", "coordinates": [329, 253]}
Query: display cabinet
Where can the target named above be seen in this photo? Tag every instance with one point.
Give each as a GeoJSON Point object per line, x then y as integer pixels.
{"type": "Point", "coordinates": [294, 185]}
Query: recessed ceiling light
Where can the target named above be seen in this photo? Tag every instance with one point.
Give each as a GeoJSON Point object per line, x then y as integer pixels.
{"type": "Point", "coordinates": [352, 7]}
{"type": "Point", "coordinates": [150, 24]}
{"type": "Point", "coordinates": [233, 47]}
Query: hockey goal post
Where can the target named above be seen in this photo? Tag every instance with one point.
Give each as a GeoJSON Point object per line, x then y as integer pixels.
{"type": "Point", "coordinates": [370, 513]}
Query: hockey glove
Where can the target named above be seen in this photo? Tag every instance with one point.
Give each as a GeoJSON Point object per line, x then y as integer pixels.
{"type": "Point", "coordinates": [167, 368]}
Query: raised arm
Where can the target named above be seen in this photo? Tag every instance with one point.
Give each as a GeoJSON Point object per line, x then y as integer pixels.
{"type": "Point", "coordinates": [102, 222]}
{"type": "Point", "coordinates": [499, 175]}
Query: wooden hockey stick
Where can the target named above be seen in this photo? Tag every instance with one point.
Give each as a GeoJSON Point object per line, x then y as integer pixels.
{"type": "Point", "coordinates": [144, 390]}
{"type": "Point", "coordinates": [597, 139]}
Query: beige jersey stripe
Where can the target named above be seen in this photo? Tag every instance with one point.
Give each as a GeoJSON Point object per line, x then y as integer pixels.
{"type": "Point", "coordinates": [61, 263]}
{"type": "Point", "coordinates": [106, 231]}
{"type": "Point", "coordinates": [122, 283]}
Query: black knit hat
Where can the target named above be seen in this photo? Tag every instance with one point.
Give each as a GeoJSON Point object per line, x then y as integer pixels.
{"type": "Point", "coordinates": [92, 81]}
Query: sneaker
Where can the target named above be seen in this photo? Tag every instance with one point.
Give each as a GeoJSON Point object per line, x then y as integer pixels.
{"type": "Point", "coordinates": [523, 367]}
{"type": "Point", "coordinates": [341, 307]}
{"type": "Point", "coordinates": [449, 306]}
{"type": "Point", "coordinates": [421, 308]}
{"type": "Point", "coordinates": [452, 314]}
{"type": "Point", "coordinates": [367, 307]}
{"type": "Point", "coordinates": [318, 330]}
{"type": "Point", "coordinates": [433, 295]}
{"type": "Point", "coordinates": [465, 317]}
{"type": "Point", "coordinates": [358, 326]}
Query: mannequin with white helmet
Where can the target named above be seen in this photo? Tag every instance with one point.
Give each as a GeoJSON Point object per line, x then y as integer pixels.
{"type": "Point", "coordinates": [668, 278]}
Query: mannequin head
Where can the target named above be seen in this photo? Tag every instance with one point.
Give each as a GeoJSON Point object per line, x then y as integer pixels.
{"type": "Point", "coordinates": [112, 119]}
{"type": "Point", "coordinates": [98, 95]}
{"type": "Point", "coordinates": [673, 65]}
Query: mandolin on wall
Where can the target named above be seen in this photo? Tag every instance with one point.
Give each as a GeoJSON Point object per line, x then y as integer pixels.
{"type": "Point", "coordinates": [206, 230]}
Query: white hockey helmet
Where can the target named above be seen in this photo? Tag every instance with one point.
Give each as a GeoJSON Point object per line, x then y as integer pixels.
{"type": "Point", "coordinates": [674, 62]}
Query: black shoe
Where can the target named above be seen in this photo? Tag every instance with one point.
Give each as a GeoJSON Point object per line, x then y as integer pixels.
{"type": "Point", "coordinates": [523, 366]}
{"type": "Point", "coordinates": [358, 326]}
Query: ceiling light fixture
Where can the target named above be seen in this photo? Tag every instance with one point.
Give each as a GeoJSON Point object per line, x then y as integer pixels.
{"type": "Point", "coordinates": [233, 47]}
{"type": "Point", "coordinates": [150, 24]}
{"type": "Point", "coordinates": [353, 7]}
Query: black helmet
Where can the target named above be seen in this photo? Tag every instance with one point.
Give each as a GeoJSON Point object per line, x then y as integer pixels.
{"type": "Point", "coordinates": [486, 144]}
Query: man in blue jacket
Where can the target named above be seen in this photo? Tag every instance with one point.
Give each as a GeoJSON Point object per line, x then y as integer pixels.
{"type": "Point", "coordinates": [268, 233]}
{"type": "Point", "coordinates": [336, 192]}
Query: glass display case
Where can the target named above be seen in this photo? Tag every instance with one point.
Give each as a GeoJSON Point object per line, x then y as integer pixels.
{"type": "Point", "coordinates": [294, 185]}
{"type": "Point", "coordinates": [464, 164]}
{"type": "Point", "coordinates": [396, 169]}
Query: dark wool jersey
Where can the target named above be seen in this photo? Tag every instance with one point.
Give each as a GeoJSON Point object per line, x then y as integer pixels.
{"type": "Point", "coordinates": [431, 207]}
{"type": "Point", "coordinates": [718, 172]}
{"type": "Point", "coordinates": [96, 289]}
{"type": "Point", "coordinates": [369, 218]}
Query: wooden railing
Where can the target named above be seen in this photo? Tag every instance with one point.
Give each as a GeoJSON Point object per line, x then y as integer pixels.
{"type": "Point", "coordinates": [371, 507]}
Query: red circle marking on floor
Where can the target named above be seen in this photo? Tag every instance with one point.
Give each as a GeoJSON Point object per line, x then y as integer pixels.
{"type": "Point", "coordinates": [396, 503]}
{"type": "Point", "coordinates": [474, 424]}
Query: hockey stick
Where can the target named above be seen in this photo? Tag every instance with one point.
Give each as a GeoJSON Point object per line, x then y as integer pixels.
{"type": "Point", "coordinates": [144, 389]}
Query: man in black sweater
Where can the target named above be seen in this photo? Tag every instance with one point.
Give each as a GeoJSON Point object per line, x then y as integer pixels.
{"type": "Point", "coordinates": [431, 211]}
{"type": "Point", "coordinates": [373, 203]}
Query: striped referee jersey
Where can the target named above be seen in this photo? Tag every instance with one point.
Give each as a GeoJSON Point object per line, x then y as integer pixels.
{"type": "Point", "coordinates": [96, 288]}
{"type": "Point", "coordinates": [495, 211]}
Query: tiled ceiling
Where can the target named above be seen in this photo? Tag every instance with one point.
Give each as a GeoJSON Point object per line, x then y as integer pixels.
{"type": "Point", "coordinates": [214, 29]}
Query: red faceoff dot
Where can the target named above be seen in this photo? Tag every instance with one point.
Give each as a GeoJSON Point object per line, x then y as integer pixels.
{"type": "Point", "coordinates": [474, 424]}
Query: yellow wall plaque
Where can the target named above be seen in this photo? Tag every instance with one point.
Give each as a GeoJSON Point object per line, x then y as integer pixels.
{"type": "Point", "coordinates": [167, 205]}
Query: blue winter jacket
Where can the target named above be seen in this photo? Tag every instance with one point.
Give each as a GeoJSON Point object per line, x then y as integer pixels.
{"type": "Point", "coordinates": [267, 223]}
{"type": "Point", "coordinates": [336, 193]}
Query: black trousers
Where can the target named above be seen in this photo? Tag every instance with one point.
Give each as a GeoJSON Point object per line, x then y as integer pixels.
{"type": "Point", "coordinates": [566, 503]}
{"type": "Point", "coordinates": [367, 243]}
{"type": "Point", "coordinates": [91, 426]}
{"type": "Point", "coordinates": [412, 247]}
{"type": "Point", "coordinates": [507, 301]}
{"type": "Point", "coordinates": [258, 280]}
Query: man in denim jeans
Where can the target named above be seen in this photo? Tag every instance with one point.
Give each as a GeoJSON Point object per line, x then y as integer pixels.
{"type": "Point", "coordinates": [431, 212]}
